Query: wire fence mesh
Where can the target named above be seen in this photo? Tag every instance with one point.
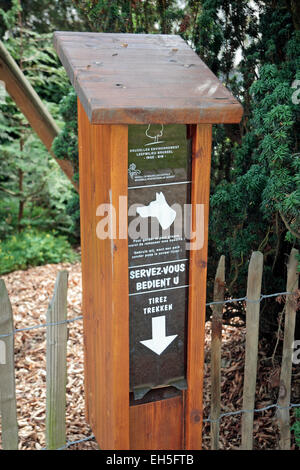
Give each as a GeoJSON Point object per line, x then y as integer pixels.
{"type": "Point", "coordinates": [205, 420]}
{"type": "Point", "coordinates": [80, 317]}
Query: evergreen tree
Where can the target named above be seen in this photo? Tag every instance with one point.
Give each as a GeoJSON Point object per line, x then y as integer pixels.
{"type": "Point", "coordinates": [254, 48]}
{"type": "Point", "coordinates": [255, 199]}
{"type": "Point", "coordinates": [33, 192]}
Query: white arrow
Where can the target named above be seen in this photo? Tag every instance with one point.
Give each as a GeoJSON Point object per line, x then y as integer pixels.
{"type": "Point", "coordinates": [159, 341]}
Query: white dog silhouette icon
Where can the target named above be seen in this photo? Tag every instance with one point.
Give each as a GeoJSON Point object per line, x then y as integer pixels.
{"type": "Point", "coordinates": [160, 209]}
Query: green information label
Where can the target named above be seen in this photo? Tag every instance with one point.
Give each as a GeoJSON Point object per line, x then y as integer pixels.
{"type": "Point", "coordinates": [157, 154]}
{"type": "Point", "coordinates": [158, 190]}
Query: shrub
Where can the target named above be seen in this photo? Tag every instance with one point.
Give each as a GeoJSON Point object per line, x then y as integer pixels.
{"type": "Point", "coordinates": [296, 427]}
{"type": "Point", "coordinates": [34, 248]}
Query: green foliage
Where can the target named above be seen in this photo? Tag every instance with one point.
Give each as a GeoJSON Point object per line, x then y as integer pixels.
{"type": "Point", "coordinates": [33, 248]}
{"type": "Point", "coordinates": [73, 212]}
{"type": "Point", "coordinates": [66, 143]}
{"type": "Point", "coordinates": [296, 427]}
{"type": "Point", "coordinates": [258, 202]}
{"type": "Point", "coordinates": [34, 193]}
{"type": "Point", "coordinates": [41, 16]}
{"type": "Point", "coordinates": [253, 47]}
{"type": "Point", "coordinates": [134, 16]}
{"type": "Point", "coordinates": [118, 16]}
{"type": "Point", "coordinates": [8, 16]}
{"type": "Point", "coordinates": [255, 198]}
{"type": "Point", "coordinates": [34, 197]}
{"type": "Point", "coordinates": [32, 189]}
{"type": "Point", "coordinates": [255, 50]}
{"type": "Point", "coordinates": [39, 62]}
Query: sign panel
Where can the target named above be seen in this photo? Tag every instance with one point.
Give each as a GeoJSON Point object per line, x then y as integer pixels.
{"type": "Point", "coordinates": [158, 192]}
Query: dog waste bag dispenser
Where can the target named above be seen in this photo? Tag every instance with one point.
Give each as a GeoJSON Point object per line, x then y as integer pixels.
{"type": "Point", "coordinates": [158, 192]}
{"type": "Point", "coordinates": [146, 105]}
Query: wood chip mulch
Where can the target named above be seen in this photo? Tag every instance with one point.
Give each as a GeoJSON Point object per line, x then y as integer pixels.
{"type": "Point", "coordinates": [30, 292]}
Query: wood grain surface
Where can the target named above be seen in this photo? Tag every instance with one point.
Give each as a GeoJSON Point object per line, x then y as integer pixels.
{"type": "Point", "coordinates": [142, 78]}
{"type": "Point", "coordinates": [103, 177]}
{"type": "Point", "coordinates": [201, 158]}
{"type": "Point", "coordinates": [157, 425]}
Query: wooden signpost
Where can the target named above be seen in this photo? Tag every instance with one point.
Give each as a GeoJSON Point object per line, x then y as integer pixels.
{"type": "Point", "coordinates": [146, 105]}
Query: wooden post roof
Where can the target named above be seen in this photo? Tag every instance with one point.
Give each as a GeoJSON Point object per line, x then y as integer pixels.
{"type": "Point", "coordinates": [142, 78]}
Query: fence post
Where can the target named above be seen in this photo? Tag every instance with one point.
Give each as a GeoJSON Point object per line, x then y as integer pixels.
{"type": "Point", "coordinates": [56, 355]}
{"type": "Point", "coordinates": [252, 326]}
{"type": "Point", "coordinates": [284, 397]}
{"type": "Point", "coordinates": [216, 342]}
{"type": "Point", "coordinates": [8, 407]}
